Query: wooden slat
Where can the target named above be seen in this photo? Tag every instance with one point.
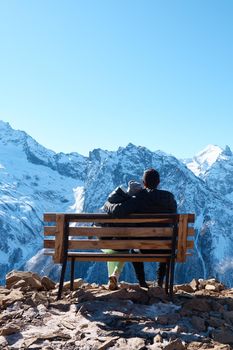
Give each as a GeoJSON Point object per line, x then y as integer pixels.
{"type": "Point", "coordinates": [110, 231]}
{"type": "Point", "coordinates": [59, 246]}
{"type": "Point", "coordinates": [190, 244]}
{"type": "Point", "coordinates": [50, 217]}
{"type": "Point", "coordinates": [49, 243]}
{"type": "Point", "coordinates": [191, 218]}
{"type": "Point", "coordinates": [50, 230]}
{"type": "Point", "coordinates": [88, 259]}
{"type": "Point", "coordinates": [110, 220]}
{"type": "Point", "coordinates": [121, 231]}
{"type": "Point", "coordinates": [191, 231]}
{"type": "Point", "coordinates": [86, 256]}
{"type": "Point", "coordinates": [182, 238]}
{"type": "Point", "coordinates": [127, 258]}
{"type": "Point", "coordinates": [119, 244]}
{"type": "Point", "coordinates": [119, 257]}
{"type": "Point", "coordinates": [83, 217]}
{"type": "Point", "coordinates": [93, 244]}
{"type": "Point", "coordinates": [95, 216]}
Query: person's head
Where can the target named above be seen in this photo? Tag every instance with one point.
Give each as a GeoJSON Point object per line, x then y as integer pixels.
{"type": "Point", "coordinates": [133, 187]}
{"type": "Point", "coordinates": [151, 179]}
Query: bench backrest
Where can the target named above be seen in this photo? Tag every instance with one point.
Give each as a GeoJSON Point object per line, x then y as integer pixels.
{"type": "Point", "coordinates": [77, 233]}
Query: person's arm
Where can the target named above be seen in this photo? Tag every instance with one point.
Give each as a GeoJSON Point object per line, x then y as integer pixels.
{"type": "Point", "coordinates": [122, 209]}
{"type": "Point", "coordinates": [118, 196]}
{"type": "Point", "coordinates": [167, 202]}
{"type": "Point", "coordinates": [173, 204]}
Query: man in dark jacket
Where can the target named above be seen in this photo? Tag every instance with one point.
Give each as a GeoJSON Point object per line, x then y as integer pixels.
{"type": "Point", "coordinates": [149, 200]}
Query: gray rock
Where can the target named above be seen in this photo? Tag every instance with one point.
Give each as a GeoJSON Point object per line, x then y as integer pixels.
{"type": "Point", "coordinates": [47, 283]}
{"type": "Point", "coordinates": [10, 328]}
{"type": "Point", "coordinates": [198, 323]}
{"type": "Point", "coordinates": [224, 335]}
{"type": "Point", "coordinates": [136, 343]}
{"type": "Point", "coordinates": [175, 345]}
{"type": "Point", "coordinates": [197, 304]}
{"type": "Point", "coordinates": [185, 287]}
{"type": "Point", "coordinates": [158, 338]}
{"type": "Point", "coordinates": [194, 284]}
{"type": "Point", "coordinates": [228, 316]}
{"type": "Point", "coordinates": [3, 342]}
{"type": "Point", "coordinates": [27, 279]}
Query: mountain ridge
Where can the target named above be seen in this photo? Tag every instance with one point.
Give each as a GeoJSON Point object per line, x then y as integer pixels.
{"type": "Point", "coordinates": [34, 180]}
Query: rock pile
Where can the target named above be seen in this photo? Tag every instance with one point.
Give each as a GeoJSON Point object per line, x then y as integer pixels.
{"type": "Point", "coordinates": [92, 317]}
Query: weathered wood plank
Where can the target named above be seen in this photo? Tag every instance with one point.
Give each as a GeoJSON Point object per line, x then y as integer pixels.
{"type": "Point", "coordinates": [190, 245]}
{"type": "Point", "coordinates": [91, 244]}
{"type": "Point", "coordinates": [120, 257]}
{"type": "Point", "coordinates": [124, 220]}
{"type": "Point", "coordinates": [131, 259]}
{"type": "Point", "coordinates": [59, 240]}
{"type": "Point", "coordinates": [90, 231]}
{"type": "Point", "coordinates": [119, 244]}
{"type": "Point", "coordinates": [49, 243]}
{"type": "Point", "coordinates": [106, 257]}
{"type": "Point", "coordinates": [50, 217]}
{"type": "Point", "coordinates": [182, 238]}
{"type": "Point", "coordinates": [50, 230]}
{"type": "Point", "coordinates": [191, 231]}
{"type": "Point", "coordinates": [87, 256]}
{"type": "Point", "coordinates": [121, 231]}
{"type": "Point", "coordinates": [95, 217]}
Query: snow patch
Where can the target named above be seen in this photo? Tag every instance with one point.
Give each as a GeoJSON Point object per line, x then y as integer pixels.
{"type": "Point", "coordinates": [225, 265]}
{"type": "Point", "coordinates": [78, 192]}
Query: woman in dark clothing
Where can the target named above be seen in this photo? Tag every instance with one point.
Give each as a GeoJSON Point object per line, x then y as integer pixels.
{"type": "Point", "coordinates": [119, 196]}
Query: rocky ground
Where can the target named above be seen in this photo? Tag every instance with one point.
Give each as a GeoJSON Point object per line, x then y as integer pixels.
{"type": "Point", "coordinates": [92, 317]}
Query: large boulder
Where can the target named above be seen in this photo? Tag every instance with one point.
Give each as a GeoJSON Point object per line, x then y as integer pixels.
{"type": "Point", "coordinates": [26, 280]}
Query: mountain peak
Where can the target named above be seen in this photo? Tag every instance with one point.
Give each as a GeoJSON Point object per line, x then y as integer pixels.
{"type": "Point", "coordinates": [4, 125]}
{"type": "Point", "coordinates": [8, 134]}
{"type": "Point", "coordinates": [203, 160]}
{"type": "Point", "coordinates": [209, 154]}
{"type": "Point", "coordinates": [227, 151]}
{"type": "Point", "coordinates": [98, 154]}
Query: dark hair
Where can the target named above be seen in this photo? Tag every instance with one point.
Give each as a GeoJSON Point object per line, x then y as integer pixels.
{"type": "Point", "coordinates": [151, 178]}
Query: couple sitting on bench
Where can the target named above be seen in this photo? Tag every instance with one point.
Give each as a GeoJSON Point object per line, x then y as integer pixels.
{"type": "Point", "coordinates": [137, 199]}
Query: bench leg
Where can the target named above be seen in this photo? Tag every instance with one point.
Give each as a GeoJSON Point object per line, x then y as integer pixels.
{"type": "Point", "coordinates": [172, 262]}
{"type": "Point", "coordinates": [72, 274]}
{"type": "Point", "coordinates": [171, 279]}
{"type": "Point", "coordinates": [167, 277]}
{"type": "Point", "coordinates": [63, 270]}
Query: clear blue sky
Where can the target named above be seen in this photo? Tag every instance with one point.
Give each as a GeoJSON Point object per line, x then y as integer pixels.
{"type": "Point", "coordinates": [78, 75]}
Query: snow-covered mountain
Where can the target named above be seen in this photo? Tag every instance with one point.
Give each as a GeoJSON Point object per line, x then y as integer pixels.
{"type": "Point", "coordinates": [214, 165]}
{"type": "Point", "coordinates": [34, 180]}
{"type": "Point", "coordinates": [203, 161]}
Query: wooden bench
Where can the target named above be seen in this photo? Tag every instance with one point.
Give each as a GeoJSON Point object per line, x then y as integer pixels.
{"type": "Point", "coordinates": [75, 237]}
